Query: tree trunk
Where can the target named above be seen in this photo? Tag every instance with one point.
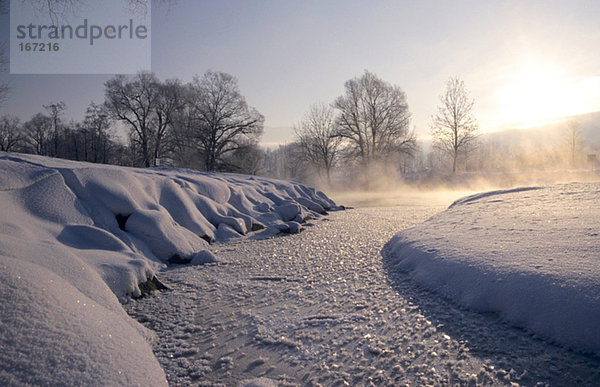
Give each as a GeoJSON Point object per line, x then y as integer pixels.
{"type": "Point", "coordinates": [145, 154]}
{"type": "Point", "coordinates": [454, 162]}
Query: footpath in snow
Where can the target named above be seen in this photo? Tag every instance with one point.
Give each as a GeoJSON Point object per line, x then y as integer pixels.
{"type": "Point", "coordinates": [323, 308]}
{"type": "Point", "coordinates": [532, 255]}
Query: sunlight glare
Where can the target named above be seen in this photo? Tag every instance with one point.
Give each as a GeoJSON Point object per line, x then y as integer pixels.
{"type": "Point", "coordinates": [536, 92]}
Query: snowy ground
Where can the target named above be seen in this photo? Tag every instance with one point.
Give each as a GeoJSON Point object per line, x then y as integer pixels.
{"type": "Point", "coordinates": [77, 239]}
{"type": "Point", "coordinates": [322, 307]}
{"type": "Point", "coordinates": [531, 255]}
{"type": "Point", "coordinates": [327, 306]}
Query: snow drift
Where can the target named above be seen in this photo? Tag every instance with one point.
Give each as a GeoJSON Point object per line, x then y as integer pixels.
{"type": "Point", "coordinates": [532, 255]}
{"type": "Point", "coordinates": [77, 238]}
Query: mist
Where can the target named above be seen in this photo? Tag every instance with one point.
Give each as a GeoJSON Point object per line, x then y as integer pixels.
{"type": "Point", "coordinates": [506, 159]}
{"type": "Point", "coordinates": [443, 190]}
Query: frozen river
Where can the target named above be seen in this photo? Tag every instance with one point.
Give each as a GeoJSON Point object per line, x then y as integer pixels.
{"type": "Point", "coordinates": [320, 307]}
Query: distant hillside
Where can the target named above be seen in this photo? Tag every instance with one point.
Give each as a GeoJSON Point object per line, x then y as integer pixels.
{"type": "Point", "coordinates": [552, 134]}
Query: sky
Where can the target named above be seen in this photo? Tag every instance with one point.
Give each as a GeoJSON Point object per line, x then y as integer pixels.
{"type": "Point", "coordinates": [524, 62]}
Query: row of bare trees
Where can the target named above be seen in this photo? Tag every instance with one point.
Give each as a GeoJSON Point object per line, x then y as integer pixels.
{"type": "Point", "coordinates": [201, 124]}
{"type": "Point", "coordinates": [367, 126]}
{"type": "Point", "coordinates": [48, 134]}
{"type": "Point", "coordinates": [370, 126]}
{"type": "Point", "coordinates": [205, 124]}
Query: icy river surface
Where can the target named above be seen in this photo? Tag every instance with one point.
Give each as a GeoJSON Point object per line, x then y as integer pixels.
{"type": "Point", "coordinates": [321, 308]}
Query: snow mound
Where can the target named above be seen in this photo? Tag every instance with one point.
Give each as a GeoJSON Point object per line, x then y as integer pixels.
{"type": "Point", "coordinates": [531, 255]}
{"type": "Point", "coordinates": [76, 239]}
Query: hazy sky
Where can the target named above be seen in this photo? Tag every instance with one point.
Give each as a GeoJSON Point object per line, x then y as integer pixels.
{"type": "Point", "coordinates": [523, 61]}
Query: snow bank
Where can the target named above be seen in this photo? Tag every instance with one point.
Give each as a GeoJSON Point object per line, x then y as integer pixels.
{"type": "Point", "coordinates": [76, 239]}
{"type": "Point", "coordinates": [531, 254]}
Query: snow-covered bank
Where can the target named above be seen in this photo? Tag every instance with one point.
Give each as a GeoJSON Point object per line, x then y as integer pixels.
{"type": "Point", "coordinates": [532, 255]}
{"type": "Point", "coordinates": [75, 238]}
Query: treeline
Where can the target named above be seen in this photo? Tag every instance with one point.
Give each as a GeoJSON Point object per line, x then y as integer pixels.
{"type": "Point", "coordinates": [367, 130]}
{"type": "Point", "coordinates": [207, 125]}
{"type": "Point", "coordinates": [48, 134]}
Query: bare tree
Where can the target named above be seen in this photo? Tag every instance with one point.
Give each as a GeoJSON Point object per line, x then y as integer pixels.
{"type": "Point", "coordinates": [37, 133]}
{"type": "Point", "coordinates": [135, 102]}
{"type": "Point", "coordinates": [10, 133]}
{"type": "Point", "coordinates": [55, 111]}
{"type": "Point", "coordinates": [574, 141]}
{"type": "Point", "coordinates": [222, 121]}
{"type": "Point", "coordinates": [318, 140]}
{"type": "Point", "coordinates": [98, 125]}
{"type": "Point", "coordinates": [374, 119]}
{"type": "Point", "coordinates": [454, 128]}
{"type": "Point", "coordinates": [169, 102]}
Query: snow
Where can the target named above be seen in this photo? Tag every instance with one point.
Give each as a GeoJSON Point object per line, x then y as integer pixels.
{"type": "Point", "coordinates": [321, 307]}
{"type": "Point", "coordinates": [530, 255]}
{"type": "Point", "coordinates": [76, 239]}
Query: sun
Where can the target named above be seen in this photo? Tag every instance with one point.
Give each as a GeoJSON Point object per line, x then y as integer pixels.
{"type": "Point", "coordinates": [534, 92]}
